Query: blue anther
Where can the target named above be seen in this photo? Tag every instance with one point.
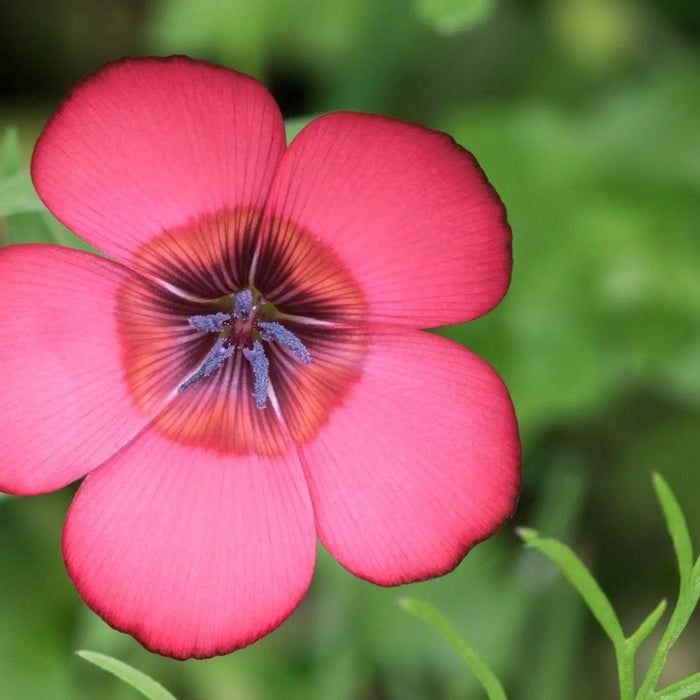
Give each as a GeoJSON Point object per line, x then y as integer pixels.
{"type": "Point", "coordinates": [243, 305]}
{"type": "Point", "coordinates": [261, 372]}
{"type": "Point", "coordinates": [215, 359]}
{"type": "Point", "coordinates": [212, 323]}
{"type": "Point", "coordinates": [270, 330]}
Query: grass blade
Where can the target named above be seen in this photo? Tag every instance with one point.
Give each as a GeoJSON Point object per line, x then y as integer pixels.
{"type": "Point", "coordinates": [435, 619]}
{"type": "Point", "coordinates": [683, 689]}
{"type": "Point", "coordinates": [646, 628]}
{"type": "Point", "coordinates": [293, 126]}
{"type": "Point", "coordinates": [17, 195]}
{"type": "Point", "coordinates": [136, 679]}
{"type": "Point", "coordinates": [677, 527]}
{"type": "Point", "coordinates": [10, 154]}
{"type": "Point", "coordinates": [582, 580]}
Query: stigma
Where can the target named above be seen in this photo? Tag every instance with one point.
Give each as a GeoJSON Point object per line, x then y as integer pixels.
{"type": "Point", "coordinates": [246, 328]}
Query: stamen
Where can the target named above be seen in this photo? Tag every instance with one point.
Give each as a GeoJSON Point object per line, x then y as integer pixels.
{"type": "Point", "coordinates": [261, 371]}
{"type": "Point", "coordinates": [270, 330]}
{"type": "Point", "coordinates": [212, 323]}
{"type": "Point", "coordinates": [213, 361]}
{"type": "Point", "coordinates": [239, 336]}
{"type": "Point", "coordinates": [243, 305]}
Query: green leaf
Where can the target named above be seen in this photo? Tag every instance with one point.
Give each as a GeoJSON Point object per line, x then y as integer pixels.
{"type": "Point", "coordinates": [435, 619]}
{"type": "Point", "coordinates": [136, 679]}
{"type": "Point", "coordinates": [10, 154]}
{"type": "Point", "coordinates": [677, 527]}
{"type": "Point", "coordinates": [452, 16]}
{"type": "Point", "coordinates": [687, 597]}
{"type": "Point", "coordinates": [17, 195]}
{"type": "Point", "coordinates": [581, 578]}
{"type": "Point", "coordinates": [646, 628]}
{"type": "Point", "coordinates": [687, 602]}
{"type": "Point", "coordinates": [293, 126]}
{"type": "Point", "coordinates": [683, 689]}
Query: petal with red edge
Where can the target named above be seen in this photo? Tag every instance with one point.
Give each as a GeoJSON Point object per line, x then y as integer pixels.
{"type": "Point", "coordinates": [65, 406]}
{"type": "Point", "coordinates": [147, 145]}
{"type": "Point", "coordinates": [408, 211]}
{"type": "Point", "coordinates": [193, 553]}
{"type": "Point", "coordinates": [420, 463]}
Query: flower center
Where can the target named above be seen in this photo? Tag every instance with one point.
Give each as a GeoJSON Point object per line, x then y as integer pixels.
{"type": "Point", "coordinates": [312, 308]}
{"type": "Point", "coordinates": [246, 328]}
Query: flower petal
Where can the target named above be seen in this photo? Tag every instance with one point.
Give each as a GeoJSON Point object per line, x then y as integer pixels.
{"type": "Point", "coordinates": [419, 464]}
{"type": "Point", "coordinates": [408, 211]}
{"type": "Point", "coordinates": [146, 145]}
{"type": "Point", "coordinates": [193, 553]}
{"type": "Point", "coordinates": [65, 406]}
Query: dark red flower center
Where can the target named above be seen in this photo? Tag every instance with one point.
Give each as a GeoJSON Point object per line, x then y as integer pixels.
{"type": "Point", "coordinates": [238, 313]}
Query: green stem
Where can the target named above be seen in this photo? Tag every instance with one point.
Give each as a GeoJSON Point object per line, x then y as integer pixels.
{"type": "Point", "coordinates": [685, 605]}
{"type": "Point", "coordinates": [648, 688]}
{"type": "Point", "coordinates": [624, 654]}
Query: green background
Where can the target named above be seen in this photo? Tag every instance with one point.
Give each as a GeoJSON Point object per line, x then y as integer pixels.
{"type": "Point", "coordinates": [585, 114]}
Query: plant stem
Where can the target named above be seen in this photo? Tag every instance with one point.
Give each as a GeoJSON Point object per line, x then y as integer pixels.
{"type": "Point", "coordinates": [624, 653]}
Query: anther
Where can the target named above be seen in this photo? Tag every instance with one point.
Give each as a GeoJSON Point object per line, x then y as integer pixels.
{"type": "Point", "coordinates": [240, 325]}
{"type": "Point", "coordinates": [213, 361]}
{"type": "Point", "coordinates": [261, 372]}
{"type": "Point", "coordinates": [212, 323]}
{"type": "Point", "coordinates": [271, 330]}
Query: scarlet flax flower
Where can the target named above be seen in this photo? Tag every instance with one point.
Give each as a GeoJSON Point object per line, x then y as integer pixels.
{"type": "Point", "coordinates": [244, 371]}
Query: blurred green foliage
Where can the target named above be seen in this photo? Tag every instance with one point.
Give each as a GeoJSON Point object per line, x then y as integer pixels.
{"type": "Point", "coordinates": [584, 114]}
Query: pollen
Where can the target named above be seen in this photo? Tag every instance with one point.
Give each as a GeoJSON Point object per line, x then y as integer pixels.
{"type": "Point", "coordinates": [261, 371]}
{"type": "Point", "coordinates": [244, 328]}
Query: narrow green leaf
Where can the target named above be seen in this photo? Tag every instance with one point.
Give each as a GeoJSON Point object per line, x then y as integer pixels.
{"type": "Point", "coordinates": [526, 534]}
{"type": "Point", "coordinates": [683, 689]}
{"type": "Point", "coordinates": [435, 619]}
{"type": "Point", "coordinates": [63, 235]}
{"type": "Point", "coordinates": [136, 679]}
{"type": "Point", "coordinates": [581, 578]}
{"type": "Point", "coordinates": [30, 227]}
{"type": "Point", "coordinates": [687, 602]}
{"type": "Point", "coordinates": [293, 126]}
{"type": "Point", "coordinates": [677, 527]}
{"type": "Point", "coordinates": [17, 195]}
{"type": "Point", "coordinates": [645, 629]}
{"type": "Point", "coordinates": [694, 586]}
{"type": "Point", "coordinates": [452, 16]}
{"type": "Point", "coordinates": [10, 153]}
{"type": "Point", "coordinates": [689, 589]}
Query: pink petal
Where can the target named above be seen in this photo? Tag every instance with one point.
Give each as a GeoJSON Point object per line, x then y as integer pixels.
{"type": "Point", "coordinates": [193, 553]}
{"type": "Point", "coordinates": [65, 406]}
{"type": "Point", "coordinates": [418, 465]}
{"type": "Point", "coordinates": [149, 144]}
{"type": "Point", "coordinates": [406, 210]}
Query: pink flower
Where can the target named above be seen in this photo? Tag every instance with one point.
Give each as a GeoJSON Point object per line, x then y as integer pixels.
{"type": "Point", "coordinates": [245, 372]}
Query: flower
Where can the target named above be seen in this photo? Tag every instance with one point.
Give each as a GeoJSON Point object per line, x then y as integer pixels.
{"type": "Point", "coordinates": [244, 372]}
